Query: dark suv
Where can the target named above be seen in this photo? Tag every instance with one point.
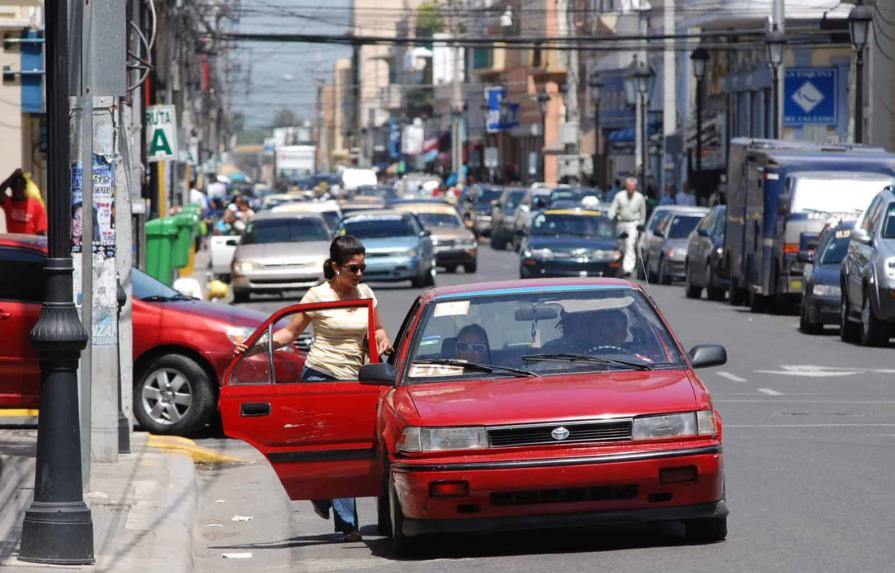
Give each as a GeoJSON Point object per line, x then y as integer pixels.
{"type": "Point", "coordinates": [867, 312]}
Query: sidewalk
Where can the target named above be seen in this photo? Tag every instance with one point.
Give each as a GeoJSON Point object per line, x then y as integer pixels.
{"type": "Point", "coordinates": [144, 507]}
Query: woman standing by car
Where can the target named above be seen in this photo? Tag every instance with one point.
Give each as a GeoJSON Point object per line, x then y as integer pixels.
{"type": "Point", "coordinates": [337, 352]}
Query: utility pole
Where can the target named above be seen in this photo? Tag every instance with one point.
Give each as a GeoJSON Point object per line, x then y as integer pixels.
{"type": "Point", "coordinates": [457, 135]}
{"type": "Point", "coordinates": [567, 16]}
{"type": "Point", "coordinates": [58, 526]}
{"type": "Point", "coordinates": [779, 23]}
{"type": "Point", "coordinates": [669, 95]}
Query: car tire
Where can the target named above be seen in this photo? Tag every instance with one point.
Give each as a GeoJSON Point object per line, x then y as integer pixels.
{"type": "Point", "coordinates": [429, 279]}
{"type": "Point", "coordinates": [757, 302]}
{"type": "Point", "coordinates": [471, 268]}
{"type": "Point", "coordinates": [848, 330]}
{"type": "Point", "coordinates": [156, 393]}
{"type": "Point", "coordinates": [450, 269]}
{"type": "Point", "coordinates": [401, 543]}
{"type": "Point", "coordinates": [690, 290]}
{"type": "Point", "coordinates": [651, 277]}
{"type": "Point", "coordinates": [383, 522]}
{"type": "Point", "coordinates": [663, 277]}
{"type": "Point", "coordinates": [806, 326]}
{"type": "Point", "coordinates": [874, 332]}
{"type": "Point", "coordinates": [707, 530]}
{"type": "Point", "coordinates": [241, 296]}
{"type": "Point", "coordinates": [715, 293]}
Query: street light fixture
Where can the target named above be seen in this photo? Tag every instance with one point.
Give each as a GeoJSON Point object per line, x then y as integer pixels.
{"type": "Point", "coordinates": [543, 102]}
{"type": "Point", "coordinates": [859, 21]}
{"type": "Point", "coordinates": [700, 58]}
{"type": "Point", "coordinates": [639, 81]}
{"type": "Point", "coordinates": [595, 82]}
{"type": "Point", "coordinates": [775, 41]}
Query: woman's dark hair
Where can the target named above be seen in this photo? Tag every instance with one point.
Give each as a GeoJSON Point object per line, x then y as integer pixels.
{"type": "Point", "coordinates": [340, 252]}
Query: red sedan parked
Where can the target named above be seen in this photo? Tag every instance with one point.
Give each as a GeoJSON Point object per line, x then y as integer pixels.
{"type": "Point", "coordinates": [181, 345]}
{"type": "Point", "coordinates": [517, 405]}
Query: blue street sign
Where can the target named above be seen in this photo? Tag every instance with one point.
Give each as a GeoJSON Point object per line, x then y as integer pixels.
{"type": "Point", "coordinates": [809, 96]}
{"type": "Point", "coordinates": [501, 115]}
{"type": "Point", "coordinates": [394, 139]}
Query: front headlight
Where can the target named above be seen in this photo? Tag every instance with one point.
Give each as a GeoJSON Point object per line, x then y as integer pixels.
{"type": "Point", "coordinates": [676, 253]}
{"type": "Point", "coordinates": [827, 290]}
{"type": "Point", "coordinates": [889, 267]}
{"type": "Point", "coordinates": [719, 251]}
{"type": "Point", "coordinates": [411, 253]}
{"type": "Point", "coordinates": [606, 255]}
{"type": "Point", "coordinates": [700, 423]}
{"type": "Point", "coordinates": [541, 253]}
{"type": "Point", "coordinates": [242, 266]}
{"type": "Point", "coordinates": [442, 439]}
{"type": "Point", "coordinates": [238, 334]}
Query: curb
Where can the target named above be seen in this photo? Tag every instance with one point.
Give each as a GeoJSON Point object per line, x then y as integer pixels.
{"type": "Point", "coordinates": [186, 446]}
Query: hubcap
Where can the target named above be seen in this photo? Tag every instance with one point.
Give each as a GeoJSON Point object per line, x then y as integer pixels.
{"type": "Point", "coordinates": [166, 396]}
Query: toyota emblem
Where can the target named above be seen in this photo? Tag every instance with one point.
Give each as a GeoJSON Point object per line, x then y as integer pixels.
{"type": "Point", "coordinates": [559, 434]}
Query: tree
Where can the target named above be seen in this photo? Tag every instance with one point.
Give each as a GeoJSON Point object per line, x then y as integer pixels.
{"type": "Point", "coordinates": [429, 20]}
{"type": "Point", "coordinates": [284, 118]}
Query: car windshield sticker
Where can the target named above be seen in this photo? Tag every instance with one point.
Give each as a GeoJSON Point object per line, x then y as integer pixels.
{"type": "Point", "coordinates": [843, 234]}
{"type": "Point", "coordinates": [430, 340]}
{"type": "Point", "coordinates": [585, 305]}
{"type": "Point", "coordinates": [452, 308]}
{"type": "Point", "coordinates": [434, 370]}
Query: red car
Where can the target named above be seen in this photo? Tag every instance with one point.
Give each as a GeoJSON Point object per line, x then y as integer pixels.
{"type": "Point", "coordinates": [515, 405]}
{"type": "Point", "coordinates": [181, 346]}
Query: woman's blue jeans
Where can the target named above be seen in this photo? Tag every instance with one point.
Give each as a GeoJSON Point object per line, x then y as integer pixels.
{"type": "Point", "coordinates": [344, 508]}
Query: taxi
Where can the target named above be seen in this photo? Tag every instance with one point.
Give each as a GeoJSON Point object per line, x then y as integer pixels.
{"type": "Point", "coordinates": [455, 244]}
{"type": "Point", "coordinates": [574, 242]}
{"type": "Point", "coordinates": [502, 408]}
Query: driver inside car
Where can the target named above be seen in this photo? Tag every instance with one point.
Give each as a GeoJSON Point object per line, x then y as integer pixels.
{"type": "Point", "coordinates": [594, 332]}
{"type": "Point", "coordinates": [472, 344]}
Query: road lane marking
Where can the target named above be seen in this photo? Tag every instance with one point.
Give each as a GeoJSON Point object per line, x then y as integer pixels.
{"type": "Point", "coordinates": [770, 392]}
{"type": "Point", "coordinates": [732, 377]}
{"type": "Point", "coordinates": [811, 371]}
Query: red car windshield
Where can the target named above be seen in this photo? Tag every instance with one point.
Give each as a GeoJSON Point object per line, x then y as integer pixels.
{"type": "Point", "coordinates": [540, 334]}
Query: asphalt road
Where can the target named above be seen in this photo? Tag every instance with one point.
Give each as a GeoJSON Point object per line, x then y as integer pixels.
{"type": "Point", "coordinates": [809, 443]}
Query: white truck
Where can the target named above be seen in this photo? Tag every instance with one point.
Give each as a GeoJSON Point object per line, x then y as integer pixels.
{"type": "Point", "coordinates": [295, 161]}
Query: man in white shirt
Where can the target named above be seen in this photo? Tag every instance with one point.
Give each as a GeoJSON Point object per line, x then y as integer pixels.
{"type": "Point", "coordinates": [628, 209]}
{"type": "Point", "coordinates": [685, 198]}
{"type": "Point", "coordinates": [216, 189]}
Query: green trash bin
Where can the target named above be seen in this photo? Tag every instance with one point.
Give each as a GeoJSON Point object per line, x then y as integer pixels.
{"type": "Point", "coordinates": [184, 243]}
{"type": "Point", "coordinates": [161, 234]}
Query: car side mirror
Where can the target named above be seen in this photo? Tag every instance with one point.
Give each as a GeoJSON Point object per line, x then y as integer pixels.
{"type": "Point", "coordinates": [861, 236]}
{"type": "Point", "coordinates": [706, 355]}
{"type": "Point", "coordinates": [703, 232]}
{"type": "Point", "coordinates": [425, 233]}
{"type": "Point", "coordinates": [805, 257]}
{"type": "Point", "coordinates": [378, 374]}
{"type": "Point", "coordinates": [641, 228]}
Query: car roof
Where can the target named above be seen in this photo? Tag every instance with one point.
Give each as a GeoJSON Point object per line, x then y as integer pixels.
{"type": "Point", "coordinates": [295, 215]}
{"type": "Point", "coordinates": [32, 242]}
{"type": "Point", "coordinates": [429, 208]}
{"type": "Point", "coordinates": [574, 211]}
{"type": "Point", "coordinates": [527, 286]}
{"type": "Point", "coordinates": [307, 207]}
{"type": "Point", "coordinates": [375, 214]}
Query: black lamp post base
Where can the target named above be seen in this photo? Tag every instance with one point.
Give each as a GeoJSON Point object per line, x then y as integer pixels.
{"type": "Point", "coordinates": [59, 533]}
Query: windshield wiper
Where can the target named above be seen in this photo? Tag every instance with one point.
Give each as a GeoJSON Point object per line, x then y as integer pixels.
{"type": "Point", "coordinates": [489, 368]}
{"type": "Point", "coordinates": [572, 357]}
{"type": "Point", "coordinates": [162, 298]}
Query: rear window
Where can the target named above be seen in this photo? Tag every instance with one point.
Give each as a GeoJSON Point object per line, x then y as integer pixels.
{"type": "Point", "coordinates": [285, 231]}
{"type": "Point", "coordinates": [440, 220]}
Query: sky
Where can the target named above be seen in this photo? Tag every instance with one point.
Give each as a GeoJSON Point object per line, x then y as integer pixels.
{"type": "Point", "coordinates": [278, 76]}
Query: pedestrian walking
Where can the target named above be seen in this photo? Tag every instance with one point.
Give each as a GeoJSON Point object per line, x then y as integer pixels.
{"type": "Point", "coordinates": [628, 210]}
{"type": "Point", "coordinates": [338, 350]}
{"type": "Point", "coordinates": [670, 196]}
{"type": "Point", "coordinates": [24, 213]}
{"type": "Point", "coordinates": [685, 198]}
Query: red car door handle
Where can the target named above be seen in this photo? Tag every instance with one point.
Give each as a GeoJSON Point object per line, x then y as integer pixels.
{"type": "Point", "coordinates": [4, 315]}
{"type": "Point", "coordinates": [252, 409]}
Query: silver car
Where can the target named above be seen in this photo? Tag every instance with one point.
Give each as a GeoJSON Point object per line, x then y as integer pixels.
{"type": "Point", "coordinates": [868, 275]}
{"type": "Point", "coordinates": [666, 251]}
{"type": "Point", "coordinates": [279, 252]}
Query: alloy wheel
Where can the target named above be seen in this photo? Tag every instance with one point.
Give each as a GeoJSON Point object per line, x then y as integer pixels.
{"type": "Point", "coordinates": [166, 396]}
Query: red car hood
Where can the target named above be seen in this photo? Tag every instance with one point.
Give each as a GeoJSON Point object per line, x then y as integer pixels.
{"type": "Point", "coordinates": [225, 313]}
{"type": "Point", "coordinates": [552, 398]}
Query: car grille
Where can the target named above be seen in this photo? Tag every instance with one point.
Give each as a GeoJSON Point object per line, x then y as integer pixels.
{"type": "Point", "coordinates": [565, 495]}
{"type": "Point", "coordinates": [446, 242]}
{"type": "Point", "coordinates": [529, 435]}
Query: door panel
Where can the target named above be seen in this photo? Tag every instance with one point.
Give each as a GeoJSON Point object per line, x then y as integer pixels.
{"type": "Point", "coordinates": [19, 365]}
{"type": "Point", "coordinates": [320, 437]}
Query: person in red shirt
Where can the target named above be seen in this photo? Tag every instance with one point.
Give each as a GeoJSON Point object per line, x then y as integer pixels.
{"type": "Point", "coordinates": [23, 214]}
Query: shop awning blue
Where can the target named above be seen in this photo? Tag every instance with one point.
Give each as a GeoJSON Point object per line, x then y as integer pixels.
{"type": "Point", "coordinates": [626, 134]}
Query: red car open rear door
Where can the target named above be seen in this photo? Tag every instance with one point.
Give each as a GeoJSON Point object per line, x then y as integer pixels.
{"type": "Point", "coordinates": [318, 436]}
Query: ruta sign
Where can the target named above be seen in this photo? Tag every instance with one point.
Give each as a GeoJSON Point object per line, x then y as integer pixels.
{"type": "Point", "coordinates": [161, 132]}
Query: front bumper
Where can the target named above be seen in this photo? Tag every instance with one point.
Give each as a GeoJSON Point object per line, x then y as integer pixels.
{"type": "Point", "coordinates": [455, 256]}
{"type": "Point", "coordinates": [392, 268]}
{"type": "Point", "coordinates": [536, 268]}
{"type": "Point", "coordinates": [556, 492]}
{"type": "Point", "coordinates": [276, 280]}
{"type": "Point", "coordinates": [823, 309]}
{"type": "Point", "coordinates": [676, 269]}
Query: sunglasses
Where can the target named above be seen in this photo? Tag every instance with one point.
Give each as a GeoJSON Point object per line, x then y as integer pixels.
{"type": "Point", "coordinates": [478, 348]}
{"type": "Point", "coordinates": [355, 268]}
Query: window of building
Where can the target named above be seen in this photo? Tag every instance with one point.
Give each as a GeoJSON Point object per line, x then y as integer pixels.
{"type": "Point", "coordinates": [482, 58]}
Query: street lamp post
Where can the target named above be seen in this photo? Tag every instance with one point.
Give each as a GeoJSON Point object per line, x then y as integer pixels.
{"type": "Point", "coordinates": [643, 76]}
{"type": "Point", "coordinates": [543, 101]}
{"type": "Point", "coordinates": [775, 41]}
{"type": "Point", "coordinates": [700, 58]}
{"type": "Point", "coordinates": [859, 20]}
{"type": "Point", "coordinates": [596, 83]}
{"type": "Point", "coordinates": [58, 526]}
